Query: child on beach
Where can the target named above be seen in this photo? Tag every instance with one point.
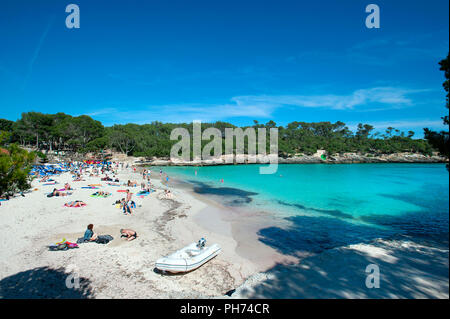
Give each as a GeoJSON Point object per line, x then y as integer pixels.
{"type": "Point", "coordinates": [128, 233]}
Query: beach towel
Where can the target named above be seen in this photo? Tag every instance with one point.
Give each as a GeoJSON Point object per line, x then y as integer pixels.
{"type": "Point", "coordinates": [99, 195]}
{"type": "Point", "coordinates": [144, 193]}
{"type": "Point", "coordinates": [90, 187]}
{"type": "Point", "coordinates": [81, 240]}
{"type": "Point", "coordinates": [63, 245]}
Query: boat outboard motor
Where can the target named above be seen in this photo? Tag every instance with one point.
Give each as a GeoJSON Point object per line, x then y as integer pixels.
{"type": "Point", "coordinates": [201, 243]}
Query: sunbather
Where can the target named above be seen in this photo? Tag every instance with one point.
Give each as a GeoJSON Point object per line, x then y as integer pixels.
{"type": "Point", "coordinates": [77, 203]}
{"type": "Point", "coordinates": [57, 193]}
{"type": "Point", "coordinates": [132, 184]}
{"type": "Point", "coordinates": [102, 193]}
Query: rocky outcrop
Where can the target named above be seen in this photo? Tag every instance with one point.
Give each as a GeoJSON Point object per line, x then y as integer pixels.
{"type": "Point", "coordinates": [319, 157]}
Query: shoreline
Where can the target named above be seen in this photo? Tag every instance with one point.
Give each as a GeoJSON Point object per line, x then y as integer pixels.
{"type": "Point", "coordinates": [246, 267]}
{"type": "Point", "coordinates": [351, 158]}
{"type": "Point", "coordinates": [426, 266]}
{"type": "Point", "coordinates": [119, 269]}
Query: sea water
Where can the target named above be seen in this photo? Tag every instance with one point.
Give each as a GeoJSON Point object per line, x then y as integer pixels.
{"type": "Point", "coordinates": [330, 206]}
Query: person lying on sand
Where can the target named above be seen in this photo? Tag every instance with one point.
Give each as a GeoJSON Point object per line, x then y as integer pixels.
{"type": "Point", "coordinates": [128, 233]}
{"type": "Point", "coordinates": [89, 234]}
{"type": "Point", "coordinates": [132, 184]}
{"type": "Point", "coordinates": [101, 193]}
{"type": "Point", "coordinates": [76, 203]}
{"type": "Point", "coordinates": [58, 193]}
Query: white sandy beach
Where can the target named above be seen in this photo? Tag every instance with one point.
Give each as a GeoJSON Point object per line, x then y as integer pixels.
{"type": "Point", "coordinates": [122, 269]}
{"type": "Point", "coordinates": [119, 269]}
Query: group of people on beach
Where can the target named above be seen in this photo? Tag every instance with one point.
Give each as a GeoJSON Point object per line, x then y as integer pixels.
{"type": "Point", "coordinates": [80, 169]}
{"type": "Point", "coordinates": [90, 235]}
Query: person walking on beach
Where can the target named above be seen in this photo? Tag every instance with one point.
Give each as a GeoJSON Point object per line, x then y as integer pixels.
{"type": "Point", "coordinates": [128, 233]}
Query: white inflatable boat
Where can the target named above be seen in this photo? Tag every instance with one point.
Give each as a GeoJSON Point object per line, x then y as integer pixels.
{"type": "Point", "coordinates": [188, 258]}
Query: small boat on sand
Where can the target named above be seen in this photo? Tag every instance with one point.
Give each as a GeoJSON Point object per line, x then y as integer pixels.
{"type": "Point", "coordinates": [188, 258]}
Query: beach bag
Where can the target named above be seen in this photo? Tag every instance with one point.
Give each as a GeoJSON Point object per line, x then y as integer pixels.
{"type": "Point", "coordinates": [81, 240]}
{"type": "Point", "coordinates": [104, 239]}
{"type": "Point", "coordinates": [59, 246]}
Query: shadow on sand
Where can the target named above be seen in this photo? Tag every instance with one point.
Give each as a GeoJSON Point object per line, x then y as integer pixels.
{"type": "Point", "coordinates": [231, 196]}
{"type": "Point", "coordinates": [405, 272]}
{"type": "Point", "coordinates": [42, 282]}
{"type": "Point", "coordinates": [317, 234]}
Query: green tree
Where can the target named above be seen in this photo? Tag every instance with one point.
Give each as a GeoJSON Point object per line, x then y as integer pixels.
{"type": "Point", "coordinates": [440, 140]}
{"type": "Point", "coordinates": [15, 165]}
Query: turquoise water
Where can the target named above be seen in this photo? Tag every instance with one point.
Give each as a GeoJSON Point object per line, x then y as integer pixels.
{"type": "Point", "coordinates": [334, 204]}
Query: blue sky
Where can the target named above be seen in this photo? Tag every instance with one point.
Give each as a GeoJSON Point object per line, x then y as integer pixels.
{"type": "Point", "coordinates": [236, 61]}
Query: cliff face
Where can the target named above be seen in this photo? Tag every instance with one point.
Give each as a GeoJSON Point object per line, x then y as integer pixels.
{"type": "Point", "coordinates": [317, 158]}
{"type": "Point", "coordinates": [368, 158]}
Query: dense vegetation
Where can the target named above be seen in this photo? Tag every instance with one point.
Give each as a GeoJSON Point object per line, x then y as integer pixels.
{"type": "Point", "coordinates": [440, 140]}
{"type": "Point", "coordinates": [15, 165]}
{"type": "Point", "coordinates": [83, 134]}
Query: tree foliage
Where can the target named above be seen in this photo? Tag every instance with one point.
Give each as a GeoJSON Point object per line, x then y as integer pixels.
{"type": "Point", "coordinates": [440, 140]}
{"type": "Point", "coordinates": [62, 132]}
{"type": "Point", "coordinates": [15, 165]}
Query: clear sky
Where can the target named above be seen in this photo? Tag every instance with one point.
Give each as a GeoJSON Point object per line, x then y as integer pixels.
{"type": "Point", "coordinates": [177, 61]}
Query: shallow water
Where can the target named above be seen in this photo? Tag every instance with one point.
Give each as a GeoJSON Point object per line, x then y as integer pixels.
{"type": "Point", "coordinates": [333, 205]}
